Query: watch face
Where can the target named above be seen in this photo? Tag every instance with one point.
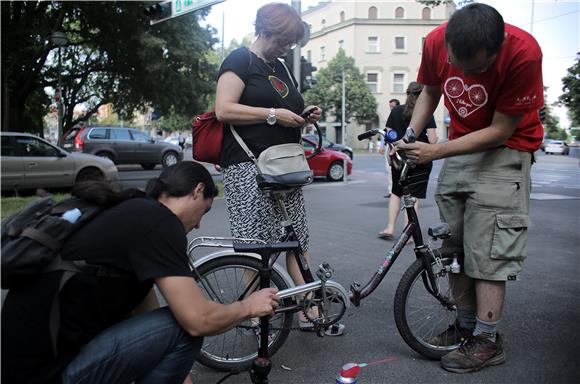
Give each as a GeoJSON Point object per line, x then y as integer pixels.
{"type": "Point", "coordinates": [271, 119]}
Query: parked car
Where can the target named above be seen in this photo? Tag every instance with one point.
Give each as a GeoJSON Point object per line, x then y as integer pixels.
{"type": "Point", "coordinates": [29, 162]}
{"type": "Point", "coordinates": [330, 145]}
{"type": "Point", "coordinates": [328, 163]}
{"type": "Point", "coordinates": [122, 145]}
{"type": "Point", "coordinates": [557, 146]}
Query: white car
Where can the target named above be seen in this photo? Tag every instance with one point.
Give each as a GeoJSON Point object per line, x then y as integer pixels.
{"type": "Point", "coordinates": [557, 146]}
{"type": "Point", "coordinates": [29, 162]}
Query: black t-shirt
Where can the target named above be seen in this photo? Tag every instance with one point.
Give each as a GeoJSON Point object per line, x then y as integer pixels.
{"type": "Point", "coordinates": [397, 122]}
{"type": "Point", "coordinates": [140, 237]}
{"type": "Point", "coordinates": [267, 85]}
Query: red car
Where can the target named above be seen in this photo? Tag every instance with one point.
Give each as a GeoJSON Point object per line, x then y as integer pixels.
{"type": "Point", "coordinates": [328, 163]}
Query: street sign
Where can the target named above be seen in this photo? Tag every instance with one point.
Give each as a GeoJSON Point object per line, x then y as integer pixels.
{"type": "Point", "coordinates": [161, 11]}
{"type": "Point", "coordinates": [181, 7]}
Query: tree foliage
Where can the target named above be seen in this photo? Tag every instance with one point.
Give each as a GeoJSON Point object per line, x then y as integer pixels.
{"type": "Point", "coordinates": [327, 92]}
{"type": "Point", "coordinates": [571, 88]}
{"type": "Point", "coordinates": [435, 3]}
{"type": "Point", "coordinates": [113, 56]}
{"type": "Point", "coordinates": [550, 122]}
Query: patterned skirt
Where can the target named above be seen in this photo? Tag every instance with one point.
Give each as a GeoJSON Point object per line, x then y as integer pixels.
{"type": "Point", "coordinates": [254, 214]}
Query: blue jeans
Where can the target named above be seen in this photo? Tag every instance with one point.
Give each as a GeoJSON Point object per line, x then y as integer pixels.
{"type": "Point", "coordinates": [149, 348]}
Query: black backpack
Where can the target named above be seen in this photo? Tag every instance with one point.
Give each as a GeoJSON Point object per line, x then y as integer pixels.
{"type": "Point", "coordinates": [31, 242]}
{"type": "Point", "coordinates": [33, 237]}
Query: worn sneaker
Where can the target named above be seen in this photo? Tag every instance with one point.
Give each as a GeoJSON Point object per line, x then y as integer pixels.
{"type": "Point", "coordinates": [454, 335]}
{"type": "Point", "coordinates": [475, 353]}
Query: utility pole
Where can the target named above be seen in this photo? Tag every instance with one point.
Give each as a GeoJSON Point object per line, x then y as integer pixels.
{"type": "Point", "coordinates": [296, 4]}
{"type": "Point", "coordinates": [343, 109]}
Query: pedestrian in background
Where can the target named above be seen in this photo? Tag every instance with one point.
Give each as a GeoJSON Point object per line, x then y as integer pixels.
{"type": "Point", "coordinates": [257, 95]}
{"type": "Point", "coordinates": [383, 150]}
{"type": "Point", "coordinates": [418, 177]}
{"type": "Point", "coordinates": [490, 74]}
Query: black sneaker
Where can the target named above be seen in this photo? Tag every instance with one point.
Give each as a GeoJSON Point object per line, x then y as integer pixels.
{"type": "Point", "coordinates": [475, 353]}
{"type": "Point", "coordinates": [454, 335]}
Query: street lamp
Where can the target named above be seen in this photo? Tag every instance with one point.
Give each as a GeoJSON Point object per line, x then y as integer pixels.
{"type": "Point", "coordinates": [60, 40]}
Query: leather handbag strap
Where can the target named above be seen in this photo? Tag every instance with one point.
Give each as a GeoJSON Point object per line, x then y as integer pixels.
{"type": "Point", "coordinates": [244, 147]}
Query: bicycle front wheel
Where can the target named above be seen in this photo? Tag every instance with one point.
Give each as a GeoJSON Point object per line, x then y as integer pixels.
{"type": "Point", "coordinates": [224, 280]}
{"type": "Point", "coordinates": [420, 317]}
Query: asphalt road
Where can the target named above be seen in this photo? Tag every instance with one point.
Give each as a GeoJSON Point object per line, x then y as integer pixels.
{"type": "Point", "coordinates": [541, 314]}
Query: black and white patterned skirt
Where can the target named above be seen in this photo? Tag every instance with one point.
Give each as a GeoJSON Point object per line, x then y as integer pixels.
{"type": "Point", "coordinates": [254, 214]}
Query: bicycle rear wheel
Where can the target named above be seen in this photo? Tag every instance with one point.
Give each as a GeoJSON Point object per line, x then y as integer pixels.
{"type": "Point", "coordinates": [419, 316]}
{"type": "Point", "coordinates": [223, 280]}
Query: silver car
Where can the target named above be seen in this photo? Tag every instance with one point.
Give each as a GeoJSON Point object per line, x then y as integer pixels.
{"type": "Point", "coordinates": [123, 145]}
{"type": "Point", "coordinates": [29, 162]}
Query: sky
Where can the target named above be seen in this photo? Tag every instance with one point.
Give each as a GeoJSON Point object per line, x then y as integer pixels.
{"type": "Point", "coordinates": [556, 27]}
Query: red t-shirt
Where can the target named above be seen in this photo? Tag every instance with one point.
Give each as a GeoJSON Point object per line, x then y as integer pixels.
{"type": "Point", "coordinates": [512, 85]}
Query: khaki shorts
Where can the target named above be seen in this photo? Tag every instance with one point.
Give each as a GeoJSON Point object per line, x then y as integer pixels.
{"type": "Point", "coordinates": [485, 197]}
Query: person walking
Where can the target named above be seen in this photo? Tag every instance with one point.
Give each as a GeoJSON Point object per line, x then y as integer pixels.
{"type": "Point", "coordinates": [490, 75]}
{"type": "Point", "coordinates": [384, 151]}
{"type": "Point", "coordinates": [257, 95]}
{"type": "Point", "coordinates": [419, 176]}
{"type": "Point", "coordinates": [142, 238]}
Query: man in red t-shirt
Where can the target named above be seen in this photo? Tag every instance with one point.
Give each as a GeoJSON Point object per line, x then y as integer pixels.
{"type": "Point", "coordinates": [490, 74]}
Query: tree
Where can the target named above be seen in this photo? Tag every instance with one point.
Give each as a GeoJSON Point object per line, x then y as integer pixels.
{"type": "Point", "coordinates": [550, 122]}
{"type": "Point", "coordinates": [112, 56]}
{"type": "Point", "coordinates": [571, 88]}
{"type": "Point", "coordinates": [327, 92]}
{"type": "Point", "coordinates": [435, 3]}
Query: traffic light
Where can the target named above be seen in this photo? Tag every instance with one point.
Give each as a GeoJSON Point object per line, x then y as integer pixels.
{"type": "Point", "coordinates": [158, 12]}
{"type": "Point", "coordinates": [306, 79]}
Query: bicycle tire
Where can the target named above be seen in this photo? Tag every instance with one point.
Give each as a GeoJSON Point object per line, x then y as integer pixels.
{"type": "Point", "coordinates": [418, 315]}
{"type": "Point", "coordinates": [236, 349]}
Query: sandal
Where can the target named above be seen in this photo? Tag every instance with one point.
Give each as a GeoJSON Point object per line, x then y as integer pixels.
{"type": "Point", "coordinates": [335, 330]}
{"type": "Point", "coordinates": [305, 325]}
{"type": "Point", "coordinates": [385, 235]}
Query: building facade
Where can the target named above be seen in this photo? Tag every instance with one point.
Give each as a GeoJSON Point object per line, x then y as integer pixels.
{"type": "Point", "coordinates": [385, 38]}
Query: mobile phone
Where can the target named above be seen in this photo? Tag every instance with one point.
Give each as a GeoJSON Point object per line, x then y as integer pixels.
{"type": "Point", "coordinates": [307, 113]}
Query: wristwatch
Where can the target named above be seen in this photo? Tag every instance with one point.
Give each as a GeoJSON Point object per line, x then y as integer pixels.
{"type": "Point", "coordinates": [271, 119]}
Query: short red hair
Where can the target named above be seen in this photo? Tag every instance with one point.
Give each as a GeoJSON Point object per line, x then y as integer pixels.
{"type": "Point", "coordinates": [278, 19]}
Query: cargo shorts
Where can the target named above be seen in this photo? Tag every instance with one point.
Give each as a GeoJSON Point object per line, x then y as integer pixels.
{"type": "Point", "coordinates": [485, 197]}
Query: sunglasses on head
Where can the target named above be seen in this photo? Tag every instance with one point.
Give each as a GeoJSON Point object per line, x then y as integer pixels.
{"type": "Point", "coordinates": [416, 93]}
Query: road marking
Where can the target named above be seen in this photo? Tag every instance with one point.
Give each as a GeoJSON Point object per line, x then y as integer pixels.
{"type": "Point", "coordinates": [550, 196]}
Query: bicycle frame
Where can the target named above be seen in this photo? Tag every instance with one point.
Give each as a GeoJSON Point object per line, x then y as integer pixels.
{"type": "Point", "coordinates": [412, 229]}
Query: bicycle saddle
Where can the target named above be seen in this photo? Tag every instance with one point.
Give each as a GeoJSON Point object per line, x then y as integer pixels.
{"type": "Point", "coordinates": [285, 181]}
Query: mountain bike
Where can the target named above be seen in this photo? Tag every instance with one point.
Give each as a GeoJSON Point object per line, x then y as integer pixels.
{"type": "Point", "coordinates": [424, 305]}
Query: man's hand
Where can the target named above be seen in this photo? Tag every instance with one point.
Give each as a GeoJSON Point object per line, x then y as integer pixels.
{"type": "Point", "coordinates": [263, 302]}
{"type": "Point", "coordinates": [419, 152]}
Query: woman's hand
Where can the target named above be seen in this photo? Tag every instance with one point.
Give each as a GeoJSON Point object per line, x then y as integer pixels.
{"type": "Point", "coordinates": [287, 118]}
{"type": "Point", "coordinates": [314, 116]}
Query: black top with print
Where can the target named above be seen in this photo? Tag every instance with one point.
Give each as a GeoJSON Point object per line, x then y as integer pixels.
{"type": "Point", "coordinates": [266, 85]}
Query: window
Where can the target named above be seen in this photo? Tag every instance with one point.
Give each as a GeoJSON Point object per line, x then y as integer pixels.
{"type": "Point", "coordinates": [309, 56]}
{"type": "Point", "coordinates": [399, 43]}
{"type": "Point", "coordinates": [398, 83]}
{"type": "Point", "coordinates": [373, 44]}
{"type": "Point", "coordinates": [323, 23]}
{"type": "Point", "coordinates": [341, 44]}
{"type": "Point", "coordinates": [342, 16]}
{"type": "Point", "coordinates": [373, 81]}
{"type": "Point", "coordinates": [373, 13]}
{"type": "Point", "coordinates": [120, 134]}
{"type": "Point", "coordinates": [322, 53]}
{"type": "Point", "coordinates": [140, 137]}
{"type": "Point", "coordinates": [399, 13]}
{"type": "Point", "coordinates": [426, 13]}
{"type": "Point", "coordinates": [98, 134]}
{"type": "Point", "coordinates": [29, 147]}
